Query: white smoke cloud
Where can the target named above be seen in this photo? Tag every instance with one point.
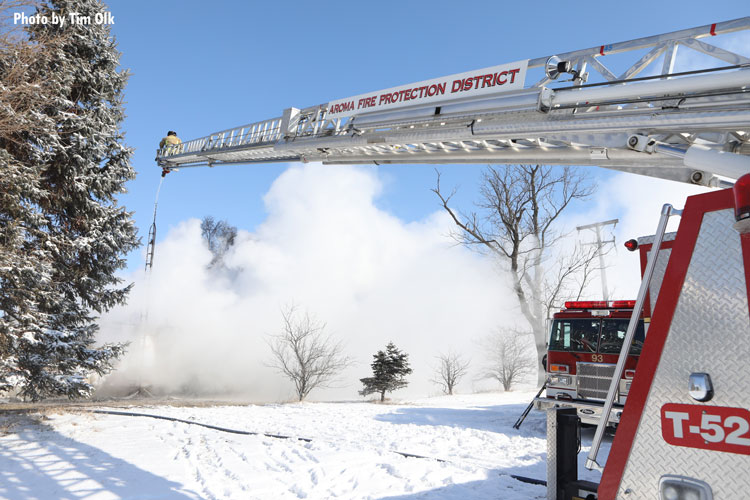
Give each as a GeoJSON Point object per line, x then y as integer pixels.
{"type": "Point", "coordinates": [326, 247]}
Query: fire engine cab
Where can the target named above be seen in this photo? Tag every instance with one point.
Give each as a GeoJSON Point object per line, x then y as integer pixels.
{"type": "Point", "coordinates": [584, 345]}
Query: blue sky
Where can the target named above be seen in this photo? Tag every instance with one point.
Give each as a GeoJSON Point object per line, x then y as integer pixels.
{"type": "Point", "coordinates": [199, 67]}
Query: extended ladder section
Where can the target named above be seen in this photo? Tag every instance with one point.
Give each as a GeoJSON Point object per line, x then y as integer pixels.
{"type": "Point", "coordinates": [690, 126]}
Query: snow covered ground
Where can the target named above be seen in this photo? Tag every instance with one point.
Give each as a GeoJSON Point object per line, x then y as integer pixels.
{"type": "Point", "coordinates": [77, 454]}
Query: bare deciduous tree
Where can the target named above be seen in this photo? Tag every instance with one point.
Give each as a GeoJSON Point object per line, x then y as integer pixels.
{"type": "Point", "coordinates": [509, 357]}
{"type": "Point", "coordinates": [450, 370]}
{"type": "Point", "coordinates": [219, 236]}
{"type": "Point", "coordinates": [519, 207]}
{"type": "Point", "coordinates": [305, 354]}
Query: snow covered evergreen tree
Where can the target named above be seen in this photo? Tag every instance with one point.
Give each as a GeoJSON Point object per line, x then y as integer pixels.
{"type": "Point", "coordinates": [62, 233]}
{"type": "Point", "coordinates": [389, 370]}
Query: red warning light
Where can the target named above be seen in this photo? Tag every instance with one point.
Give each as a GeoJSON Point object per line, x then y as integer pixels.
{"type": "Point", "coordinates": [631, 245]}
{"type": "Point", "coordinates": [742, 198]}
{"type": "Point", "coordinates": [586, 304]}
{"type": "Point", "coordinates": [623, 304]}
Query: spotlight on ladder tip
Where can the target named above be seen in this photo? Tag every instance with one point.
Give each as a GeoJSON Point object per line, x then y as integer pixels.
{"type": "Point", "coordinates": [556, 66]}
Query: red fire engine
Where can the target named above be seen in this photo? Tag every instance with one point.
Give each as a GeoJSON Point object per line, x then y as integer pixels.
{"type": "Point", "coordinates": [584, 345]}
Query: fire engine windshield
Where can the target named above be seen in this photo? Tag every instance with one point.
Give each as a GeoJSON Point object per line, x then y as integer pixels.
{"type": "Point", "coordinates": [613, 333]}
{"type": "Point", "coordinates": [594, 335]}
{"type": "Point", "coordinates": [574, 335]}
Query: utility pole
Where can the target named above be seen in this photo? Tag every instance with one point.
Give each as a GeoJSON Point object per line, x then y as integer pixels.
{"type": "Point", "coordinates": [597, 227]}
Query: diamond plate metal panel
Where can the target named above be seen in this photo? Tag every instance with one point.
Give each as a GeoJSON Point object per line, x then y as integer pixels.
{"type": "Point", "coordinates": [710, 332]}
{"type": "Point", "coordinates": [552, 454]}
{"type": "Point", "coordinates": [649, 240]}
{"type": "Point", "coordinates": [661, 265]}
{"type": "Point", "coordinates": [659, 269]}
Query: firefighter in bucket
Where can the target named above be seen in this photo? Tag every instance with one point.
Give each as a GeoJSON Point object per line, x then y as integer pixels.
{"type": "Point", "coordinates": [171, 143]}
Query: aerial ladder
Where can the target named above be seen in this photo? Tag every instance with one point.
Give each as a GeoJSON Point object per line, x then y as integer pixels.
{"type": "Point", "coordinates": [692, 126]}
{"type": "Point", "coordinates": [685, 430]}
